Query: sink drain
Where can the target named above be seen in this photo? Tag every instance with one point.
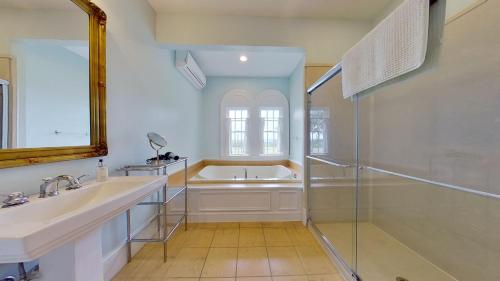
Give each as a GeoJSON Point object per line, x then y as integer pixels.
{"type": "Point", "coordinates": [401, 279]}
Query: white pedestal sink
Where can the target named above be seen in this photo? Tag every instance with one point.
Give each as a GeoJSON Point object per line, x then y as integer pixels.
{"type": "Point", "coordinates": [64, 231]}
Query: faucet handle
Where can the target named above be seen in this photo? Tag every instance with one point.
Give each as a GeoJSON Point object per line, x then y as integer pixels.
{"type": "Point", "coordinates": [81, 177]}
{"type": "Point", "coordinates": [15, 198]}
{"type": "Point", "coordinates": [47, 179]}
{"type": "Point", "coordinates": [75, 184]}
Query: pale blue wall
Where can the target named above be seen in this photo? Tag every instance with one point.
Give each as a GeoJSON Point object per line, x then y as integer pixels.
{"type": "Point", "coordinates": [296, 86]}
{"type": "Point", "coordinates": [144, 93]}
{"type": "Point", "coordinates": [216, 88]}
{"type": "Point", "coordinates": [52, 95]}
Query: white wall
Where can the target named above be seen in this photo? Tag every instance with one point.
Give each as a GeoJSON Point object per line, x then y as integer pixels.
{"type": "Point", "coordinates": [40, 24]}
{"type": "Point", "coordinates": [324, 41]}
{"type": "Point", "coordinates": [297, 98]}
{"type": "Point", "coordinates": [216, 88]}
{"type": "Point", "coordinates": [145, 93]}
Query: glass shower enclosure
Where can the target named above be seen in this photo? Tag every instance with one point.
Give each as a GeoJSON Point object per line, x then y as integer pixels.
{"type": "Point", "coordinates": [403, 180]}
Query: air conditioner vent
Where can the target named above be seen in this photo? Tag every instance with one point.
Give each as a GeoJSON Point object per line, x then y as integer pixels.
{"type": "Point", "coordinates": [186, 64]}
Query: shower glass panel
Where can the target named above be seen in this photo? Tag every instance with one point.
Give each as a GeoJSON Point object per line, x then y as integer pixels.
{"type": "Point", "coordinates": [433, 138]}
{"type": "Point", "coordinates": [332, 192]}
{"type": "Point", "coordinates": [404, 181]}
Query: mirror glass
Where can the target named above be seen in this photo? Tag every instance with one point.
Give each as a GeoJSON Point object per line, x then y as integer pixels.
{"type": "Point", "coordinates": [44, 74]}
{"type": "Point", "coordinates": [157, 140]}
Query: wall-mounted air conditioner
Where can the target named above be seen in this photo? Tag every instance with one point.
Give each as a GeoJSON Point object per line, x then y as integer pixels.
{"type": "Point", "coordinates": [186, 64]}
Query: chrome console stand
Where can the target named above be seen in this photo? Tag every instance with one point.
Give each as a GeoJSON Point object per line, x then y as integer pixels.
{"type": "Point", "coordinates": [171, 208]}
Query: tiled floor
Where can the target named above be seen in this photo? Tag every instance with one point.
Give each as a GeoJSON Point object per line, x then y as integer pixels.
{"type": "Point", "coordinates": [380, 256]}
{"type": "Point", "coordinates": [277, 251]}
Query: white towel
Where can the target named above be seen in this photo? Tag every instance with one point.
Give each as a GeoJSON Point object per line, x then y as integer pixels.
{"type": "Point", "coordinates": [394, 47]}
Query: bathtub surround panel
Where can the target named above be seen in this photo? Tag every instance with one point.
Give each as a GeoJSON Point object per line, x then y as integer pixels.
{"type": "Point", "coordinates": [143, 85]}
{"type": "Point", "coordinates": [245, 202]}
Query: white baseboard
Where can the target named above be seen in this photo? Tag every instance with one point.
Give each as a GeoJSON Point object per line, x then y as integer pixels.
{"type": "Point", "coordinates": [243, 216]}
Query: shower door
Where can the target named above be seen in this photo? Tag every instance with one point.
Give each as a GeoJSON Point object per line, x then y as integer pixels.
{"type": "Point", "coordinates": [429, 145]}
{"type": "Point", "coordinates": [403, 180]}
{"type": "Point", "coordinates": [330, 169]}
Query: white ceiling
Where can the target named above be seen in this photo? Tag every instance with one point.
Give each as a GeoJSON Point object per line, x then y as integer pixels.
{"type": "Point", "coordinates": [316, 9]}
{"type": "Point", "coordinates": [39, 4]}
{"type": "Point", "coordinates": [260, 63]}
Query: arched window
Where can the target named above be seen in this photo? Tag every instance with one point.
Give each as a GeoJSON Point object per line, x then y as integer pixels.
{"type": "Point", "coordinates": [273, 124]}
{"type": "Point", "coordinates": [235, 114]}
{"type": "Point", "coordinates": [253, 127]}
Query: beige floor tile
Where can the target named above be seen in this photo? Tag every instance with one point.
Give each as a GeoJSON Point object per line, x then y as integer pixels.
{"type": "Point", "coordinates": [173, 250]}
{"type": "Point", "coordinates": [179, 235]}
{"type": "Point", "coordinates": [325, 277]}
{"type": "Point", "coordinates": [154, 268]}
{"type": "Point", "coordinates": [207, 225]}
{"type": "Point", "coordinates": [250, 224]}
{"type": "Point", "coordinates": [128, 272]}
{"type": "Point", "coordinates": [253, 262]}
{"type": "Point", "coordinates": [301, 237]}
{"type": "Point", "coordinates": [284, 261]}
{"type": "Point", "coordinates": [171, 279]}
{"type": "Point", "coordinates": [273, 224]}
{"type": "Point", "coordinates": [315, 261]}
{"type": "Point", "coordinates": [221, 262]}
{"type": "Point", "coordinates": [226, 237]}
{"type": "Point", "coordinates": [277, 237]}
{"type": "Point", "coordinates": [228, 225]}
{"type": "Point", "coordinates": [266, 278]}
{"type": "Point", "coordinates": [251, 237]}
{"type": "Point", "coordinates": [290, 278]}
{"type": "Point", "coordinates": [189, 263]}
{"type": "Point", "coordinates": [199, 238]}
{"type": "Point", "coordinates": [190, 255]}
{"type": "Point", "coordinates": [130, 279]}
{"type": "Point", "coordinates": [175, 243]}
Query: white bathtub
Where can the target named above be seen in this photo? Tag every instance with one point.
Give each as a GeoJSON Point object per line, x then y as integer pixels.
{"type": "Point", "coordinates": [241, 173]}
{"type": "Point", "coordinates": [223, 193]}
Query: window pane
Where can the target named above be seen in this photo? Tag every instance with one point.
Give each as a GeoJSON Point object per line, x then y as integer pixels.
{"type": "Point", "coordinates": [271, 132]}
{"type": "Point", "coordinates": [318, 131]}
{"type": "Point", "coordinates": [238, 132]}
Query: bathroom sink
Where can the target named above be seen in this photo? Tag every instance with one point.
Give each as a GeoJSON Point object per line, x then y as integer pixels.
{"type": "Point", "coordinates": [32, 230]}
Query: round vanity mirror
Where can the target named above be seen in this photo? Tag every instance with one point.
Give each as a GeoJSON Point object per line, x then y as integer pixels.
{"type": "Point", "coordinates": [157, 142]}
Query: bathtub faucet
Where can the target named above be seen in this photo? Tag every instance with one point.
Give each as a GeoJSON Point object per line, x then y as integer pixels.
{"type": "Point", "coordinates": [246, 173]}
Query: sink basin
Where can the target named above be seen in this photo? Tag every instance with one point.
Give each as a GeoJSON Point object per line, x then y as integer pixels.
{"type": "Point", "coordinates": [32, 230]}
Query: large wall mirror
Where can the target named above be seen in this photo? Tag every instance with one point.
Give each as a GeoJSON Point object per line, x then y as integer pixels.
{"type": "Point", "coordinates": [52, 81]}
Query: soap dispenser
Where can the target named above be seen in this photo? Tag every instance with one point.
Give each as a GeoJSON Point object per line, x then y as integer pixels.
{"type": "Point", "coordinates": [102, 172]}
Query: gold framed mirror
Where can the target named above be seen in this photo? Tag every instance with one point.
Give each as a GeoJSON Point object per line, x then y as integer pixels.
{"type": "Point", "coordinates": [48, 116]}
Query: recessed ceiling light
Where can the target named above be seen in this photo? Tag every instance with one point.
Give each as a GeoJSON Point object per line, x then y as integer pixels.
{"type": "Point", "coordinates": [243, 58]}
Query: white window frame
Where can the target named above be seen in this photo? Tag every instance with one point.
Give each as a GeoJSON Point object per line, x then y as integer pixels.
{"type": "Point", "coordinates": [279, 132]}
{"type": "Point", "coordinates": [245, 132]}
{"type": "Point", "coordinates": [325, 117]}
{"type": "Point", "coordinates": [241, 99]}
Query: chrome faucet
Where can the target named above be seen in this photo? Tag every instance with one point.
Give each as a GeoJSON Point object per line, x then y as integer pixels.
{"type": "Point", "coordinates": [73, 183]}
